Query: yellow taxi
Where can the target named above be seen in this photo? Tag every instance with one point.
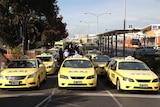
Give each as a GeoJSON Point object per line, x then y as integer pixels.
{"type": "Point", "coordinates": [128, 73]}
{"type": "Point", "coordinates": [99, 62]}
{"type": "Point", "coordinates": [49, 61]}
{"type": "Point", "coordinates": [55, 53]}
{"type": "Point", "coordinates": [23, 73]}
{"type": "Point", "coordinates": [77, 71]}
{"type": "Point", "coordinates": [92, 53]}
{"type": "Point", "coordinates": [59, 44]}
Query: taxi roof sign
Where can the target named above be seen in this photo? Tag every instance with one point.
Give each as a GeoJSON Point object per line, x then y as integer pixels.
{"type": "Point", "coordinates": [129, 58]}
{"type": "Point", "coordinates": [43, 54]}
{"type": "Point", "coordinates": [77, 56]}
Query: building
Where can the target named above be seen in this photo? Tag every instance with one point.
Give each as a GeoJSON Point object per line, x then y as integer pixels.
{"type": "Point", "coordinates": [151, 35]}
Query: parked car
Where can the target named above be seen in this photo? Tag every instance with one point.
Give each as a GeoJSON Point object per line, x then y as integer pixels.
{"type": "Point", "coordinates": [144, 50]}
{"type": "Point", "coordinates": [99, 62]}
{"type": "Point", "coordinates": [77, 71]}
{"type": "Point", "coordinates": [49, 61]}
{"type": "Point", "coordinates": [23, 73]}
{"type": "Point", "coordinates": [128, 73]}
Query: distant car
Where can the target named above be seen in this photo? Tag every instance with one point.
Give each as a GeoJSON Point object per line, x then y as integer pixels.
{"type": "Point", "coordinates": [23, 73]}
{"type": "Point", "coordinates": [128, 73]}
{"type": "Point", "coordinates": [49, 61]}
{"type": "Point", "coordinates": [99, 62]}
{"type": "Point", "coordinates": [77, 71]}
{"type": "Point", "coordinates": [54, 52]}
{"type": "Point", "coordinates": [145, 50]}
{"type": "Point", "coordinates": [92, 53]}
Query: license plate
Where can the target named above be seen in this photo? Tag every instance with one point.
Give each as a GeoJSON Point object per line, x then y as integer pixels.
{"type": "Point", "coordinates": [77, 82]}
{"type": "Point", "coordinates": [14, 82]}
{"type": "Point", "coordinates": [143, 85]}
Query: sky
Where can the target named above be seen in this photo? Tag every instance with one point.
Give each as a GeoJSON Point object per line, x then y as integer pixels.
{"type": "Point", "coordinates": [81, 15]}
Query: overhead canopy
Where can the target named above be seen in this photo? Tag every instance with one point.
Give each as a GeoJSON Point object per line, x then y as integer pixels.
{"type": "Point", "coordinates": [115, 32]}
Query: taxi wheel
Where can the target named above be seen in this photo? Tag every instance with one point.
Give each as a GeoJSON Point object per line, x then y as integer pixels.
{"type": "Point", "coordinates": [45, 78]}
{"type": "Point", "coordinates": [118, 86]}
{"type": "Point", "coordinates": [38, 84]}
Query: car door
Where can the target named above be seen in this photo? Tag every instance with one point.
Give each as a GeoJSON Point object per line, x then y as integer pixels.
{"type": "Point", "coordinates": [41, 70]}
{"type": "Point", "coordinates": [112, 71]}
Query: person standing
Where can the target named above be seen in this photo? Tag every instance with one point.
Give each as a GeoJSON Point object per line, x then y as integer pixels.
{"type": "Point", "coordinates": [65, 54]}
{"type": "Point", "coordinates": [60, 55]}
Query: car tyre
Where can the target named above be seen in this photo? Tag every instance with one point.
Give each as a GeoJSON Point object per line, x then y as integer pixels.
{"type": "Point", "coordinates": [45, 78]}
{"type": "Point", "coordinates": [118, 86]}
{"type": "Point", "coordinates": [38, 84]}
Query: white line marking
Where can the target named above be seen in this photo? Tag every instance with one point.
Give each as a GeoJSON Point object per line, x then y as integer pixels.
{"type": "Point", "coordinates": [47, 98]}
{"type": "Point", "coordinates": [17, 95]}
{"type": "Point", "coordinates": [118, 95]}
{"type": "Point", "coordinates": [113, 97]}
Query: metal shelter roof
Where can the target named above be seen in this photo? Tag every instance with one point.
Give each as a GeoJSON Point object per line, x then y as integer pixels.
{"type": "Point", "coordinates": [115, 32]}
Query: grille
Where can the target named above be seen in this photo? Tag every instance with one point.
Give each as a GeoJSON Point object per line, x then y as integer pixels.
{"type": "Point", "coordinates": [15, 77]}
{"type": "Point", "coordinates": [143, 80]}
{"type": "Point", "coordinates": [77, 77]}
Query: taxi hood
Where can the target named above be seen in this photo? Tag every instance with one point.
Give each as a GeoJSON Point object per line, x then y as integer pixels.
{"type": "Point", "coordinates": [138, 74]}
{"type": "Point", "coordinates": [19, 71]}
{"type": "Point", "coordinates": [100, 64]}
{"type": "Point", "coordinates": [47, 63]}
{"type": "Point", "coordinates": [77, 71]}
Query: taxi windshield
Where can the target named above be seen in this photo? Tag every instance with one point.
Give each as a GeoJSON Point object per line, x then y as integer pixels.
{"type": "Point", "coordinates": [22, 64]}
{"type": "Point", "coordinates": [132, 66]}
{"type": "Point", "coordinates": [77, 64]}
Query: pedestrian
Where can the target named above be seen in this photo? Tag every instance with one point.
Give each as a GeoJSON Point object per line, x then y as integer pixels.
{"type": "Point", "coordinates": [60, 55]}
{"type": "Point", "coordinates": [65, 54]}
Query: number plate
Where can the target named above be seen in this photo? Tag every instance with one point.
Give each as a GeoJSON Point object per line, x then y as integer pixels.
{"type": "Point", "coordinates": [77, 82]}
{"type": "Point", "coordinates": [143, 85]}
{"type": "Point", "coordinates": [14, 82]}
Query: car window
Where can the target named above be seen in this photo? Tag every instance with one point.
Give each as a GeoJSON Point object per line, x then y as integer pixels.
{"type": "Point", "coordinates": [77, 64]}
{"type": "Point", "coordinates": [132, 66]}
{"type": "Point", "coordinates": [22, 64]}
{"type": "Point", "coordinates": [101, 59]}
{"type": "Point", "coordinates": [112, 63]}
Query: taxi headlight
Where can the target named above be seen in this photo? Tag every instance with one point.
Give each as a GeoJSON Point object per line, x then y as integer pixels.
{"type": "Point", "coordinates": [156, 80]}
{"type": "Point", "coordinates": [32, 75]}
{"type": "Point", "coordinates": [64, 76]}
{"type": "Point", "coordinates": [49, 66]}
{"type": "Point", "coordinates": [91, 76]}
{"type": "Point", "coordinates": [128, 79]}
{"type": "Point", "coordinates": [1, 77]}
{"type": "Point", "coordinates": [102, 67]}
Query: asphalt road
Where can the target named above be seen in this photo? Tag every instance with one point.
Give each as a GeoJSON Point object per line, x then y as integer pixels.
{"type": "Point", "coordinates": [51, 96]}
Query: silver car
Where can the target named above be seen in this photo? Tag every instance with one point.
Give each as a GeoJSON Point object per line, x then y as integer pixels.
{"type": "Point", "coordinates": [144, 50]}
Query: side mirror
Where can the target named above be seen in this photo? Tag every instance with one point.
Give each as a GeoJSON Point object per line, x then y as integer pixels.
{"type": "Point", "coordinates": [113, 67]}
{"type": "Point", "coordinates": [95, 66]}
{"type": "Point", "coordinates": [41, 65]}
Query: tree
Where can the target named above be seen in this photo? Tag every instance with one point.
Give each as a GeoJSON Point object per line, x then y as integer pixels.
{"type": "Point", "coordinates": [30, 19]}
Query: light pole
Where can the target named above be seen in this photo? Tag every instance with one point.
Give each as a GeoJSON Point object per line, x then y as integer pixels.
{"type": "Point", "coordinates": [97, 19]}
{"type": "Point", "coordinates": [88, 25]}
{"type": "Point", "coordinates": [124, 37]}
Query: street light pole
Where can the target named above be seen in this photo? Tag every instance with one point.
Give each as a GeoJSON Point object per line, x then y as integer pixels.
{"type": "Point", "coordinates": [97, 19]}
{"type": "Point", "coordinates": [124, 37]}
{"type": "Point", "coordinates": [88, 25]}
